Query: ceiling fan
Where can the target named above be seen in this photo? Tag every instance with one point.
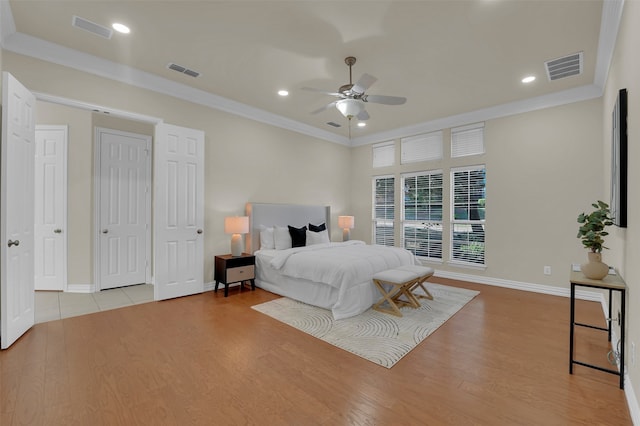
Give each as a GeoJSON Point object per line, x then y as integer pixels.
{"type": "Point", "coordinates": [352, 97]}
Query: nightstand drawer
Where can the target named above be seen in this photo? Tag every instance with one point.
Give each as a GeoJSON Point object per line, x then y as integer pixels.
{"type": "Point", "coordinates": [240, 274]}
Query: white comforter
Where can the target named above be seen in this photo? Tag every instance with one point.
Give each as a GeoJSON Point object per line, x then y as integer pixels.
{"type": "Point", "coordinates": [340, 264]}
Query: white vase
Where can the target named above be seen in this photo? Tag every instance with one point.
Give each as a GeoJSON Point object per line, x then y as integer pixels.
{"type": "Point", "coordinates": [594, 269]}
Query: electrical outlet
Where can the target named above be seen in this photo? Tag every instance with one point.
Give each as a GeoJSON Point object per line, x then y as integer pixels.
{"type": "Point", "coordinates": [633, 353]}
{"type": "Point", "coordinates": [547, 270]}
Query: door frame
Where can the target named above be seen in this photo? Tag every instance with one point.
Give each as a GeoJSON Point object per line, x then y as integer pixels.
{"type": "Point", "coordinates": [97, 258]}
{"type": "Point", "coordinates": [65, 234]}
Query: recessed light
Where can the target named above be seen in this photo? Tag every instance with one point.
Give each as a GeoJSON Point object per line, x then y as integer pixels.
{"type": "Point", "coordinates": [283, 93]}
{"type": "Point", "coordinates": [361, 124]}
{"type": "Point", "coordinates": [528, 79]}
{"type": "Point", "coordinates": [121, 28]}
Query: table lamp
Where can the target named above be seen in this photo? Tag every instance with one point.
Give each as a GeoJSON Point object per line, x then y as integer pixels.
{"type": "Point", "coordinates": [346, 223]}
{"type": "Point", "coordinates": [236, 225]}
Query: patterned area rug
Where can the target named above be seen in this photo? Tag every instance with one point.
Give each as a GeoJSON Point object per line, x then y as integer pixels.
{"type": "Point", "coordinates": [375, 336]}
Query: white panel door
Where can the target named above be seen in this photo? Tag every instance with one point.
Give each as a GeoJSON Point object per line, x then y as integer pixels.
{"type": "Point", "coordinates": [50, 233]}
{"type": "Point", "coordinates": [17, 297]}
{"type": "Point", "coordinates": [178, 211]}
{"type": "Point", "coordinates": [123, 217]}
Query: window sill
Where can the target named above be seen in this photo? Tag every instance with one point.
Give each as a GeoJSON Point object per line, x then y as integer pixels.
{"type": "Point", "coordinates": [467, 265]}
{"type": "Point", "coordinates": [429, 260]}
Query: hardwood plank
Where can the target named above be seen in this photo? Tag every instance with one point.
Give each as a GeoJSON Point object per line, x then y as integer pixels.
{"type": "Point", "coordinates": [206, 359]}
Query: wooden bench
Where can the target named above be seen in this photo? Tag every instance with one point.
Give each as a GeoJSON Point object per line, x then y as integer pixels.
{"type": "Point", "coordinates": [425, 273]}
{"type": "Point", "coordinates": [400, 283]}
{"type": "Point", "coordinates": [403, 280]}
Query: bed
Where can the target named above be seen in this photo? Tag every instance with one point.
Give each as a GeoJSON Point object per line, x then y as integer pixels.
{"type": "Point", "coordinates": [331, 275]}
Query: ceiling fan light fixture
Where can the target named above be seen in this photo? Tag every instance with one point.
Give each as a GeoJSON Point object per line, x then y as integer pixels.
{"type": "Point", "coordinates": [350, 107]}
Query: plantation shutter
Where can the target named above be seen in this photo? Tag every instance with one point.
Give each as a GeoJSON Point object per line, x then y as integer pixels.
{"type": "Point", "coordinates": [467, 140]}
{"type": "Point", "coordinates": [424, 147]}
{"type": "Point", "coordinates": [384, 154]}
{"type": "Point", "coordinates": [384, 210]}
{"type": "Point", "coordinates": [468, 214]}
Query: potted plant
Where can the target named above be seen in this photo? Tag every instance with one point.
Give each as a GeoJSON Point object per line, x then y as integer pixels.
{"type": "Point", "coordinates": [592, 233]}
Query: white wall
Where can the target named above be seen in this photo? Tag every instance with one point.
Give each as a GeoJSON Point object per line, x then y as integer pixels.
{"type": "Point", "coordinates": [625, 243]}
{"type": "Point", "coordinates": [245, 160]}
{"type": "Point", "coordinates": [542, 169]}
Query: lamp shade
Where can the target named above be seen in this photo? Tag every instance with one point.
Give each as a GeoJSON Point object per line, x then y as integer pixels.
{"type": "Point", "coordinates": [350, 107]}
{"type": "Point", "coordinates": [346, 222]}
{"type": "Point", "coordinates": [236, 225]}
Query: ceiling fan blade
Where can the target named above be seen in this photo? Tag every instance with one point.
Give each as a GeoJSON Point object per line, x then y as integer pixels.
{"type": "Point", "coordinates": [324, 108]}
{"type": "Point", "coordinates": [363, 116]}
{"type": "Point", "coordinates": [363, 83]}
{"type": "Point", "coordinates": [313, 89]}
{"type": "Point", "coordinates": [386, 100]}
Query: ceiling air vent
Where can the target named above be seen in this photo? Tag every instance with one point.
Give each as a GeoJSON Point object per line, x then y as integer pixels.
{"type": "Point", "coordinates": [334, 124]}
{"type": "Point", "coordinates": [564, 67]}
{"type": "Point", "coordinates": [183, 70]}
{"type": "Point", "coordinates": [92, 27]}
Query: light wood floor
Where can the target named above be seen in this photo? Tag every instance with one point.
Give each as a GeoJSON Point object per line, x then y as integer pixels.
{"type": "Point", "coordinates": [206, 359]}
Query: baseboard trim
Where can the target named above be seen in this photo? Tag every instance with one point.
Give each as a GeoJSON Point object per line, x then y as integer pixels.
{"type": "Point", "coordinates": [81, 288]}
{"type": "Point", "coordinates": [593, 296]}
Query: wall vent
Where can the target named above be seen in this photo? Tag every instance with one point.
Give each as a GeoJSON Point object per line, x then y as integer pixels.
{"type": "Point", "coordinates": [334, 124]}
{"type": "Point", "coordinates": [183, 70]}
{"type": "Point", "coordinates": [564, 67]}
{"type": "Point", "coordinates": [92, 27]}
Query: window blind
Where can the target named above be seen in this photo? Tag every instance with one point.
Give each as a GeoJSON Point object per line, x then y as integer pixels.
{"type": "Point", "coordinates": [422, 213]}
{"type": "Point", "coordinates": [426, 147]}
{"type": "Point", "coordinates": [468, 214]}
{"type": "Point", "coordinates": [384, 210]}
{"type": "Point", "coordinates": [384, 154]}
{"type": "Point", "coordinates": [467, 140]}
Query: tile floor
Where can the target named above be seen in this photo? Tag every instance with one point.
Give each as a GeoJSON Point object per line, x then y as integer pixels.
{"type": "Point", "coordinates": [54, 305]}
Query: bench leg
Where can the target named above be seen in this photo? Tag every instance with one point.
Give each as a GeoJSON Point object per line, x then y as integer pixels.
{"type": "Point", "coordinates": [388, 297]}
{"type": "Point", "coordinates": [426, 294]}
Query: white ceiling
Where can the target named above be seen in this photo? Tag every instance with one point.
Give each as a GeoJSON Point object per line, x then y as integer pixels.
{"type": "Point", "coordinates": [454, 61]}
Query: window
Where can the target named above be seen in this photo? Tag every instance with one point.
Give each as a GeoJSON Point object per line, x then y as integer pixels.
{"type": "Point", "coordinates": [384, 154]}
{"type": "Point", "coordinates": [383, 210]}
{"type": "Point", "coordinates": [421, 148]}
{"type": "Point", "coordinates": [422, 214]}
{"type": "Point", "coordinates": [468, 186]}
{"type": "Point", "coordinates": [467, 140]}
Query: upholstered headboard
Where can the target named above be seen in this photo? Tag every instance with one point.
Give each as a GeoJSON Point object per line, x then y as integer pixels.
{"type": "Point", "coordinates": [281, 215]}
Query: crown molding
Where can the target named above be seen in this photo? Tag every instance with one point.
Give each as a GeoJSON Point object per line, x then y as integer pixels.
{"type": "Point", "coordinates": [577, 94]}
{"type": "Point", "coordinates": [51, 52]}
{"type": "Point", "coordinates": [609, 25]}
{"type": "Point", "coordinates": [7, 25]}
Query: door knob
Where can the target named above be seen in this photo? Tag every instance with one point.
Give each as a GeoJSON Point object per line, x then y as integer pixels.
{"type": "Point", "coordinates": [199, 231]}
{"type": "Point", "coordinates": [57, 231]}
{"type": "Point", "coordinates": [13, 243]}
{"type": "Point", "coordinates": [104, 231]}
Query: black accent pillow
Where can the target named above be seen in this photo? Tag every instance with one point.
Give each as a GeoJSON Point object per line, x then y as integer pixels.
{"type": "Point", "coordinates": [298, 236]}
{"type": "Point", "coordinates": [314, 228]}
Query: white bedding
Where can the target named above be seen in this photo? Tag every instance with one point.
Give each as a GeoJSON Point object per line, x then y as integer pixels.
{"type": "Point", "coordinates": [334, 276]}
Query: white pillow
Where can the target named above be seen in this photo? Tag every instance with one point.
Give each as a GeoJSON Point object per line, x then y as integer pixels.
{"type": "Point", "coordinates": [317, 237]}
{"type": "Point", "coordinates": [267, 241]}
{"type": "Point", "coordinates": [282, 238]}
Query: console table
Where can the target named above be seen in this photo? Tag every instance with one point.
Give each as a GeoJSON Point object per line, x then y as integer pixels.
{"type": "Point", "coordinates": [611, 283]}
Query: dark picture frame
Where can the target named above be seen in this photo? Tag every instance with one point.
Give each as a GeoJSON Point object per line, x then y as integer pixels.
{"type": "Point", "coordinates": [618, 204]}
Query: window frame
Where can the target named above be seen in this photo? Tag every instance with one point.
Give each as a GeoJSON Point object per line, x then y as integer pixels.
{"type": "Point", "coordinates": [404, 221]}
{"type": "Point", "coordinates": [422, 147]}
{"type": "Point", "coordinates": [468, 222]}
{"type": "Point", "coordinates": [386, 221]}
{"type": "Point", "coordinates": [387, 151]}
{"type": "Point", "coordinates": [476, 131]}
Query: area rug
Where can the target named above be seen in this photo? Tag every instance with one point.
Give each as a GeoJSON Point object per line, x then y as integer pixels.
{"type": "Point", "coordinates": [378, 337]}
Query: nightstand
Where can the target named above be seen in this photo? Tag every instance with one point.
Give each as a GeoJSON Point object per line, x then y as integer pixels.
{"type": "Point", "coordinates": [230, 269]}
